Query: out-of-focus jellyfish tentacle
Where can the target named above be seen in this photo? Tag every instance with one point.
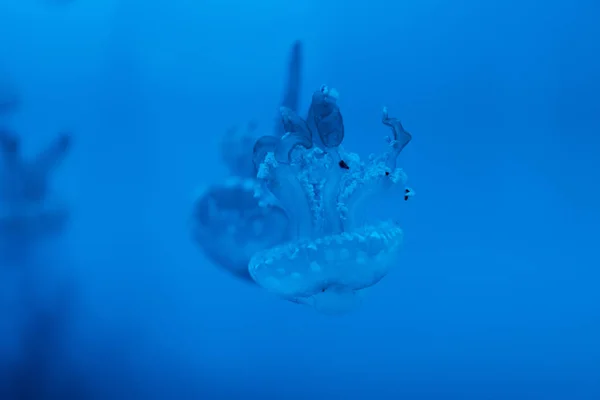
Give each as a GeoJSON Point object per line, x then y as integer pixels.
{"type": "Point", "coordinates": [9, 99]}
{"type": "Point", "coordinates": [236, 150]}
{"type": "Point", "coordinates": [333, 254]}
{"type": "Point", "coordinates": [236, 145]}
{"type": "Point", "coordinates": [28, 210]}
{"type": "Point", "coordinates": [291, 94]}
{"type": "Point", "coordinates": [326, 116]}
{"type": "Point", "coordinates": [10, 146]}
{"type": "Point", "coordinates": [47, 160]}
{"type": "Point", "coordinates": [237, 219]}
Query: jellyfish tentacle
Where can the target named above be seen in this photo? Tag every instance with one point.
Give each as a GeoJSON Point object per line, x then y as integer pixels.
{"type": "Point", "coordinates": [331, 190]}
{"type": "Point", "coordinates": [326, 117]}
{"type": "Point", "coordinates": [368, 184]}
{"type": "Point", "coordinates": [283, 182]}
{"type": "Point", "coordinates": [297, 134]}
{"type": "Point", "coordinates": [325, 114]}
{"type": "Point", "coordinates": [236, 150]}
{"type": "Point", "coordinates": [400, 137]}
{"type": "Point", "coordinates": [291, 94]}
{"type": "Point", "coordinates": [374, 178]}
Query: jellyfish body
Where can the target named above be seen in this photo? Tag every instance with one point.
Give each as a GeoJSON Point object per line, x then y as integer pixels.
{"type": "Point", "coordinates": [335, 252]}
{"type": "Point", "coordinates": [229, 223]}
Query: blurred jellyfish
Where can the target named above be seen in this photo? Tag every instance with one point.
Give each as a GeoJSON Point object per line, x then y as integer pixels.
{"type": "Point", "coordinates": [335, 252]}
{"type": "Point", "coordinates": [9, 101]}
{"type": "Point", "coordinates": [229, 223]}
{"type": "Point", "coordinates": [28, 211]}
{"type": "Point", "coordinates": [236, 145]}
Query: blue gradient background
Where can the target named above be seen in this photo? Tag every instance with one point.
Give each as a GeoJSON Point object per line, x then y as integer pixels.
{"type": "Point", "coordinates": [497, 296]}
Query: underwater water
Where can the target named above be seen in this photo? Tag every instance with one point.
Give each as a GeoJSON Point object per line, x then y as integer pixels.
{"type": "Point", "coordinates": [189, 209]}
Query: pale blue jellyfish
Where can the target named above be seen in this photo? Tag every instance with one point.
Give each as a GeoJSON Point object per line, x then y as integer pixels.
{"type": "Point", "coordinates": [334, 251]}
{"type": "Point", "coordinates": [229, 223]}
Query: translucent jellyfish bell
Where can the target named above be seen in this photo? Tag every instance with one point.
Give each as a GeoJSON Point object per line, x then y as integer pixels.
{"type": "Point", "coordinates": [329, 272]}
{"type": "Point", "coordinates": [335, 252]}
{"type": "Point", "coordinates": [234, 220]}
{"type": "Point", "coordinates": [230, 225]}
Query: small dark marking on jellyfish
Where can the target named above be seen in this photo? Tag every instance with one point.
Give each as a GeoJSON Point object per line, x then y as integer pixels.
{"type": "Point", "coordinates": [343, 164]}
{"type": "Point", "coordinates": [407, 195]}
{"type": "Point", "coordinates": [387, 173]}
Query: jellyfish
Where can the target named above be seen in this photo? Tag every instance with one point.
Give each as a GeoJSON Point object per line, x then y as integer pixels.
{"type": "Point", "coordinates": [228, 222]}
{"type": "Point", "coordinates": [9, 101]}
{"type": "Point", "coordinates": [28, 211]}
{"type": "Point", "coordinates": [230, 225]}
{"type": "Point", "coordinates": [334, 252]}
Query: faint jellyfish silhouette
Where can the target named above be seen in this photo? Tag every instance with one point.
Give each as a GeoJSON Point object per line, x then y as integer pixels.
{"type": "Point", "coordinates": [229, 222]}
{"type": "Point", "coordinates": [236, 145]}
{"type": "Point", "coordinates": [9, 100]}
{"type": "Point", "coordinates": [28, 210]}
{"type": "Point", "coordinates": [230, 225]}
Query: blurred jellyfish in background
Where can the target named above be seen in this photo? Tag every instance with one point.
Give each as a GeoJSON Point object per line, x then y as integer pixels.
{"type": "Point", "coordinates": [29, 210]}
{"type": "Point", "coordinates": [40, 305]}
{"type": "Point", "coordinates": [228, 223]}
{"type": "Point", "coordinates": [41, 370]}
{"type": "Point", "coordinates": [9, 101]}
{"type": "Point", "coordinates": [335, 251]}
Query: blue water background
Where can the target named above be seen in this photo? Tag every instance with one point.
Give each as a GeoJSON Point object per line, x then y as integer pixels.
{"type": "Point", "coordinates": [497, 295]}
